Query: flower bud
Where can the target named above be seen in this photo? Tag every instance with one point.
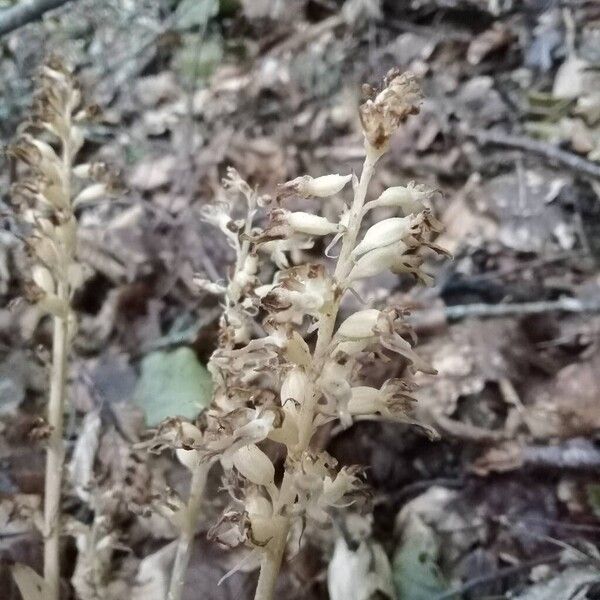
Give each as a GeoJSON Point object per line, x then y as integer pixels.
{"type": "Point", "coordinates": [90, 193]}
{"type": "Point", "coordinates": [407, 198]}
{"type": "Point", "coordinates": [254, 465]}
{"type": "Point", "coordinates": [360, 324]}
{"type": "Point", "coordinates": [374, 262]}
{"type": "Point", "coordinates": [364, 400]}
{"type": "Point", "coordinates": [309, 224]}
{"type": "Point", "coordinates": [43, 278]}
{"type": "Point", "coordinates": [321, 187]}
{"type": "Point", "coordinates": [382, 234]}
{"type": "Point", "coordinates": [190, 434]}
{"type": "Point", "coordinates": [90, 170]}
{"type": "Point", "coordinates": [294, 386]}
{"type": "Point", "coordinates": [46, 151]}
{"type": "Point", "coordinates": [257, 506]}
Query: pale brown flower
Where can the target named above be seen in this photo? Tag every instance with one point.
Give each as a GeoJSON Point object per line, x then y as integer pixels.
{"type": "Point", "coordinates": [381, 116]}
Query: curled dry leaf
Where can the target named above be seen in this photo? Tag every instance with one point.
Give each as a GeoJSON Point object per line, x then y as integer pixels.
{"type": "Point", "coordinates": [567, 405]}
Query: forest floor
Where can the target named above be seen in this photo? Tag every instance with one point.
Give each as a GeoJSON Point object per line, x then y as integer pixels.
{"type": "Point", "coordinates": [507, 503]}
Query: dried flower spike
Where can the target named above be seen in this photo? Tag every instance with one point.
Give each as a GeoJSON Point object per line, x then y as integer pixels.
{"type": "Point", "coordinates": [400, 97]}
{"type": "Point", "coordinates": [270, 384]}
{"type": "Point", "coordinates": [46, 196]}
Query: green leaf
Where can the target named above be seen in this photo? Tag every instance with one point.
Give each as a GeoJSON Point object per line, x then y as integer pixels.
{"type": "Point", "coordinates": [415, 572]}
{"type": "Point", "coordinates": [191, 13]}
{"type": "Point", "coordinates": [173, 384]}
{"type": "Point", "coordinates": [593, 497]}
{"type": "Point", "coordinates": [197, 58]}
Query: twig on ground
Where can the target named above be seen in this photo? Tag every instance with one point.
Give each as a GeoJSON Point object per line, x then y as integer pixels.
{"type": "Point", "coordinates": [26, 12]}
{"type": "Point", "coordinates": [421, 318]}
{"type": "Point", "coordinates": [566, 159]}
{"type": "Point", "coordinates": [535, 263]}
{"type": "Point", "coordinates": [576, 454]}
{"type": "Point", "coordinates": [306, 35]}
{"type": "Point", "coordinates": [497, 576]}
{"type": "Point", "coordinates": [572, 305]}
{"type": "Point", "coordinates": [426, 319]}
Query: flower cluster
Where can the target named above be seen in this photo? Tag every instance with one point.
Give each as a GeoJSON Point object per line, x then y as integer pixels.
{"type": "Point", "coordinates": [382, 114]}
{"type": "Point", "coordinates": [53, 186]}
{"type": "Point", "coordinates": [273, 390]}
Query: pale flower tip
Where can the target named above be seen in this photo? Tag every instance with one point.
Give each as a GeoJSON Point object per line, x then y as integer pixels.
{"type": "Point", "coordinates": [318, 187]}
{"type": "Point", "coordinates": [381, 116]}
{"type": "Point", "coordinates": [409, 199]}
{"type": "Point", "coordinates": [309, 224]}
{"type": "Point", "coordinates": [188, 458]}
{"type": "Point", "coordinates": [43, 278]}
{"type": "Point", "coordinates": [388, 231]}
{"type": "Point", "coordinates": [208, 286]}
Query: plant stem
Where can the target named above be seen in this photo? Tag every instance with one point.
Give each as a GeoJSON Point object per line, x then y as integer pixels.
{"type": "Point", "coordinates": [344, 264]}
{"type": "Point", "coordinates": [188, 531]}
{"type": "Point", "coordinates": [271, 560]}
{"type": "Point", "coordinates": [55, 453]}
{"type": "Point", "coordinates": [327, 320]}
{"type": "Point", "coordinates": [273, 553]}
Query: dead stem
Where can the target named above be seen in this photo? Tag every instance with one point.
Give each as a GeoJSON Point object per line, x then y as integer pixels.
{"type": "Point", "coordinates": [188, 531]}
{"type": "Point", "coordinates": [55, 455]}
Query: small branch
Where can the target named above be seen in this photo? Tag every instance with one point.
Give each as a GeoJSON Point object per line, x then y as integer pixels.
{"type": "Point", "coordinates": [571, 305]}
{"type": "Point", "coordinates": [566, 159]}
{"type": "Point", "coordinates": [431, 317]}
{"type": "Point", "coordinates": [26, 12]}
{"type": "Point", "coordinates": [306, 35]}
{"type": "Point", "coordinates": [497, 576]}
{"type": "Point", "coordinates": [577, 454]}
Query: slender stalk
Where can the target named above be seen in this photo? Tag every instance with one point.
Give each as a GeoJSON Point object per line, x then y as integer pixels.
{"type": "Point", "coordinates": [200, 471]}
{"type": "Point", "coordinates": [188, 531]}
{"type": "Point", "coordinates": [271, 561]}
{"type": "Point", "coordinates": [327, 321]}
{"type": "Point", "coordinates": [344, 264]}
{"type": "Point", "coordinates": [55, 453]}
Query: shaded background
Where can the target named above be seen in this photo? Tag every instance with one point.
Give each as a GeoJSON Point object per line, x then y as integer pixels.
{"type": "Point", "coordinates": [508, 502]}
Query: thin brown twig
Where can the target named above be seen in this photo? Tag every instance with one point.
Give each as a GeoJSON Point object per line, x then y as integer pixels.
{"type": "Point", "coordinates": [430, 318]}
{"type": "Point", "coordinates": [305, 35]}
{"type": "Point", "coordinates": [571, 161]}
{"type": "Point", "coordinates": [576, 454]}
{"type": "Point", "coordinates": [497, 575]}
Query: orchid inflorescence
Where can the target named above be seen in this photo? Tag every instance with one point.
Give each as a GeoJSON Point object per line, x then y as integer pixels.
{"type": "Point", "coordinates": [270, 385]}
{"type": "Point", "coordinates": [50, 188]}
